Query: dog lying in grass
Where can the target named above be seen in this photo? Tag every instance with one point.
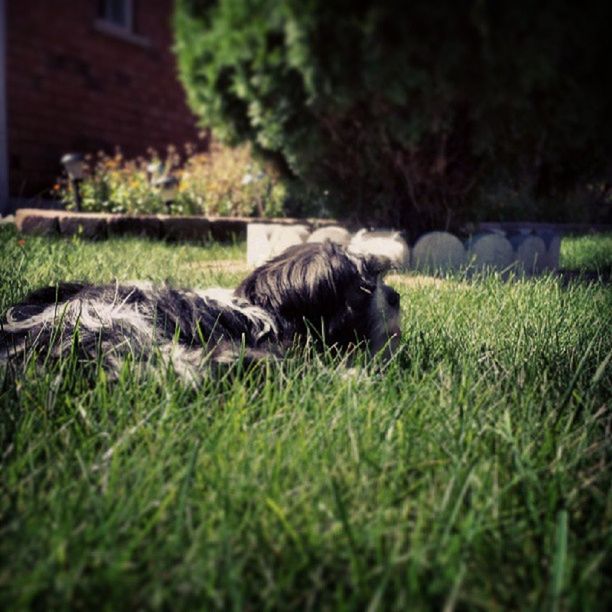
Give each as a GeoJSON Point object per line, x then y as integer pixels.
{"type": "Point", "coordinates": [320, 292]}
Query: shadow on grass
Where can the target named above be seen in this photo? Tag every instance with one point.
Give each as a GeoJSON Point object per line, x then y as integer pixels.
{"type": "Point", "coordinates": [602, 276]}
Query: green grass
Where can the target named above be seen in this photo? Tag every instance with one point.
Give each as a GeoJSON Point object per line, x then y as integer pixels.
{"type": "Point", "coordinates": [474, 473]}
{"type": "Point", "coordinates": [591, 253]}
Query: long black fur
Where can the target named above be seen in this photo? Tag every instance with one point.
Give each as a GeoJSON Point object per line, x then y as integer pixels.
{"type": "Point", "coordinates": [316, 290]}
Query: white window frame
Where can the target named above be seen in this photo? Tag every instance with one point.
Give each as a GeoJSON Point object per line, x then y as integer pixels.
{"type": "Point", "coordinates": [128, 24]}
{"type": "Point", "coordinates": [125, 32]}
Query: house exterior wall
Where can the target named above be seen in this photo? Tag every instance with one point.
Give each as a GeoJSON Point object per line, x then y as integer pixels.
{"type": "Point", "coordinates": [74, 86]}
{"type": "Point", "coordinates": [4, 195]}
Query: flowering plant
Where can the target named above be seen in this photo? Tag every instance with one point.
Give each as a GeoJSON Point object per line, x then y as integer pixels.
{"type": "Point", "coordinates": [222, 181]}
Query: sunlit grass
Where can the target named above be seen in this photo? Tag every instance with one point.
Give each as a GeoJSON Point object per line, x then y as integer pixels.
{"type": "Point", "coordinates": [472, 473]}
{"type": "Point", "coordinates": [592, 253]}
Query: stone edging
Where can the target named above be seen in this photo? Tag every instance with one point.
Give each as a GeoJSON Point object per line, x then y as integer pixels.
{"type": "Point", "coordinates": [563, 229]}
{"type": "Point", "coordinates": [99, 226]}
{"type": "Point", "coordinates": [523, 252]}
{"type": "Point", "coordinates": [531, 247]}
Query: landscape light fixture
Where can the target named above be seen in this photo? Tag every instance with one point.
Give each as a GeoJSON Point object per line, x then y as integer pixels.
{"type": "Point", "coordinates": [75, 168]}
{"type": "Point", "coordinates": [154, 169]}
{"type": "Point", "coordinates": [168, 188]}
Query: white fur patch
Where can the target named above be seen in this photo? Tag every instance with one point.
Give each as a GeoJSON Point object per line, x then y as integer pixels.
{"type": "Point", "coordinates": [259, 318]}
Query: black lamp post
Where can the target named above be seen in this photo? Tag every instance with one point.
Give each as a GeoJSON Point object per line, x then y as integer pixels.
{"type": "Point", "coordinates": [73, 163]}
{"type": "Point", "coordinates": [154, 170]}
{"type": "Point", "coordinates": [168, 187]}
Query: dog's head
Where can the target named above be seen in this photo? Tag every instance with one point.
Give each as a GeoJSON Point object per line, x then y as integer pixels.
{"type": "Point", "coordinates": [338, 296]}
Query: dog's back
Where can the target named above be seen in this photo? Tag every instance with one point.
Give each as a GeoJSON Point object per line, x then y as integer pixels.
{"type": "Point", "coordinates": [107, 322]}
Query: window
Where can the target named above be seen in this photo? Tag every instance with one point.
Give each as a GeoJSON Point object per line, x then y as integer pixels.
{"type": "Point", "coordinates": [118, 13]}
{"type": "Point", "coordinates": [116, 18]}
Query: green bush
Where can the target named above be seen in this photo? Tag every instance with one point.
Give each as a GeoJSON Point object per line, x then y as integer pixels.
{"type": "Point", "coordinates": [413, 113]}
{"type": "Point", "coordinates": [223, 181]}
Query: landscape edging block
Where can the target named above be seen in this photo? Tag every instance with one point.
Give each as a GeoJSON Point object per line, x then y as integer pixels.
{"type": "Point", "coordinates": [92, 226]}
{"type": "Point", "coordinates": [192, 228]}
{"type": "Point", "coordinates": [37, 222]}
{"type": "Point", "coordinates": [148, 226]}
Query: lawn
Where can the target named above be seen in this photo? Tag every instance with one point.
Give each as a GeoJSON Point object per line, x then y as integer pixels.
{"type": "Point", "coordinates": [473, 473]}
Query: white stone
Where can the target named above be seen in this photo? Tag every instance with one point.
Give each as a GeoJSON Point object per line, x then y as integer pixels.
{"type": "Point", "coordinates": [552, 242]}
{"type": "Point", "coordinates": [489, 251]}
{"type": "Point", "coordinates": [385, 243]}
{"type": "Point", "coordinates": [530, 253]}
{"type": "Point", "coordinates": [258, 243]}
{"type": "Point", "coordinates": [438, 251]}
{"type": "Point", "coordinates": [267, 240]}
{"type": "Point", "coordinates": [334, 233]}
{"type": "Point", "coordinates": [284, 236]}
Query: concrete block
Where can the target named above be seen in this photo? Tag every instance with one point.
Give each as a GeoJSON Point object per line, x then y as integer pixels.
{"type": "Point", "coordinates": [37, 222]}
{"type": "Point", "coordinates": [334, 233]}
{"type": "Point", "coordinates": [228, 230]}
{"type": "Point", "coordinates": [91, 226]}
{"type": "Point", "coordinates": [489, 250]}
{"type": "Point", "coordinates": [385, 243]}
{"type": "Point", "coordinates": [267, 240]}
{"type": "Point", "coordinates": [552, 242]}
{"type": "Point", "coordinates": [258, 243]}
{"type": "Point", "coordinates": [529, 253]}
{"type": "Point", "coordinates": [148, 226]}
{"type": "Point", "coordinates": [191, 228]}
{"type": "Point", "coordinates": [438, 251]}
{"type": "Point", "coordinates": [284, 236]}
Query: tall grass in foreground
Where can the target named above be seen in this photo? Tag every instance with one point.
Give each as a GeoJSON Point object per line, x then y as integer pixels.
{"type": "Point", "coordinates": [474, 472]}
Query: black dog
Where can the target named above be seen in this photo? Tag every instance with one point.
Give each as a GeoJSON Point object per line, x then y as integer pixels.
{"type": "Point", "coordinates": [321, 291]}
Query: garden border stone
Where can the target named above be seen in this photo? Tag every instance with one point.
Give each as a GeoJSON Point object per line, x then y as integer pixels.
{"type": "Point", "coordinates": [563, 229]}
{"type": "Point", "coordinates": [37, 222]}
{"type": "Point", "coordinates": [148, 226]}
{"type": "Point", "coordinates": [489, 250]}
{"type": "Point", "coordinates": [535, 246]}
{"type": "Point", "coordinates": [228, 229]}
{"type": "Point", "coordinates": [192, 228]}
{"type": "Point", "coordinates": [529, 253]}
{"type": "Point", "coordinates": [438, 251]}
{"type": "Point", "coordinates": [92, 226]}
{"type": "Point", "coordinates": [266, 237]}
{"type": "Point", "coordinates": [334, 233]}
{"type": "Point", "coordinates": [97, 226]}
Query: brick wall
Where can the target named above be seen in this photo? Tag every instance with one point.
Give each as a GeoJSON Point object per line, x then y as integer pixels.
{"type": "Point", "coordinates": [73, 87]}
